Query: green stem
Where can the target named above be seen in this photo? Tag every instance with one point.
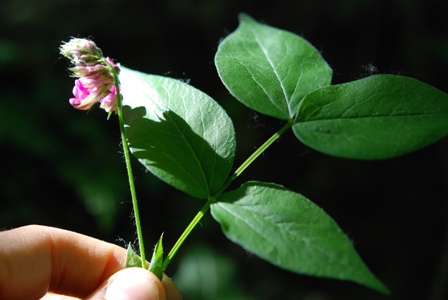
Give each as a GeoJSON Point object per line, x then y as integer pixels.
{"type": "Point", "coordinates": [127, 157]}
{"type": "Point", "coordinates": [185, 234]}
{"type": "Point", "coordinates": [253, 157]}
{"type": "Point", "coordinates": [211, 200]}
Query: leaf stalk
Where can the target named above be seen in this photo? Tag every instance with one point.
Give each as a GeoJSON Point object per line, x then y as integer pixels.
{"type": "Point", "coordinates": [212, 200]}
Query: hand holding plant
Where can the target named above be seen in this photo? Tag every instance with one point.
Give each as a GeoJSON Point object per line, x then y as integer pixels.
{"type": "Point", "coordinates": [185, 138]}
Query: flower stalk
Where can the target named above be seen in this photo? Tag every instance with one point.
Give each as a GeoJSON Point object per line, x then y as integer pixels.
{"type": "Point", "coordinates": [98, 82]}
{"type": "Point", "coordinates": [127, 157]}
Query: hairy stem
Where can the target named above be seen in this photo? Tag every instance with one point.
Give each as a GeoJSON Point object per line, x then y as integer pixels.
{"type": "Point", "coordinates": [253, 157]}
{"type": "Point", "coordinates": [127, 157]}
{"type": "Point", "coordinates": [211, 200]}
{"type": "Point", "coordinates": [185, 234]}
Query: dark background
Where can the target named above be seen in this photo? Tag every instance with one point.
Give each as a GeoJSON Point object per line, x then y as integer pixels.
{"type": "Point", "coordinates": [64, 168]}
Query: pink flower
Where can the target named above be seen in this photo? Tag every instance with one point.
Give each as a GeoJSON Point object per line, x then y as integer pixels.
{"type": "Point", "coordinates": [110, 102]}
{"type": "Point", "coordinates": [87, 93]}
{"type": "Point", "coordinates": [86, 71]}
{"type": "Point", "coordinates": [96, 83]}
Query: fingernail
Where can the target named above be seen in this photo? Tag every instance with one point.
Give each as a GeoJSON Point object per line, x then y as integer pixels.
{"type": "Point", "coordinates": [132, 284]}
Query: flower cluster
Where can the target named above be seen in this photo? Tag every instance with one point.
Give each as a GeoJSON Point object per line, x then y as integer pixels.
{"type": "Point", "coordinates": [95, 83]}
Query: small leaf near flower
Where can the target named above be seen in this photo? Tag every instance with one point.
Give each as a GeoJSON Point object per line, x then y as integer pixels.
{"type": "Point", "coordinates": [132, 259]}
{"type": "Point", "coordinates": [157, 259]}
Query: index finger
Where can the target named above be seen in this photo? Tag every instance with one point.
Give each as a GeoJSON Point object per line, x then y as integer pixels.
{"type": "Point", "coordinates": [36, 259]}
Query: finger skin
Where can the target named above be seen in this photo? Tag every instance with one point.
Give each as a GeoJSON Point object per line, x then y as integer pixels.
{"type": "Point", "coordinates": [36, 259]}
{"type": "Point", "coordinates": [172, 293]}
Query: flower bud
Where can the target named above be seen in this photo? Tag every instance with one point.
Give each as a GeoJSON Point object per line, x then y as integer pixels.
{"type": "Point", "coordinates": [81, 51]}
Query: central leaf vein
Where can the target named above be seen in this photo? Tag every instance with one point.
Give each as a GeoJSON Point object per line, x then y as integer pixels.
{"type": "Point", "coordinates": [195, 156]}
{"type": "Point", "coordinates": [274, 70]}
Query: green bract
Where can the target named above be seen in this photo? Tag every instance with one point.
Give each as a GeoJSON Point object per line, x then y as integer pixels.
{"type": "Point", "coordinates": [157, 259]}
{"type": "Point", "coordinates": [132, 259]}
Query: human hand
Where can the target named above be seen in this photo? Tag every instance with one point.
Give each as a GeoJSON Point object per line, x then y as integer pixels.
{"type": "Point", "coordinates": [36, 259]}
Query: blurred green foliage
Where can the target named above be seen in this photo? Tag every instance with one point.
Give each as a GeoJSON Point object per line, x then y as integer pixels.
{"type": "Point", "coordinates": [62, 167]}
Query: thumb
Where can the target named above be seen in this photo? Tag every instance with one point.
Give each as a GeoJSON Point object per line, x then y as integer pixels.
{"type": "Point", "coordinates": [131, 283]}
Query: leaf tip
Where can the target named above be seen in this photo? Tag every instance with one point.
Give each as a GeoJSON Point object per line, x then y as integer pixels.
{"type": "Point", "coordinates": [243, 17]}
{"type": "Point", "coordinates": [157, 259]}
{"type": "Point", "coordinates": [132, 259]}
{"type": "Point", "coordinates": [382, 288]}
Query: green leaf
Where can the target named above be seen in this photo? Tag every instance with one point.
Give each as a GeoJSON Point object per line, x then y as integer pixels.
{"type": "Point", "coordinates": [179, 133]}
{"type": "Point", "coordinates": [377, 117]}
{"type": "Point", "coordinates": [132, 259]}
{"type": "Point", "coordinates": [291, 232]}
{"type": "Point", "coordinates": [157, 259]}
{"type": "Point", "coordinates": [268, 69]}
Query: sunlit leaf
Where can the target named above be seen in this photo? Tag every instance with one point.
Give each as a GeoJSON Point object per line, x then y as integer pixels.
{"type": "Point", "coordinates": [376, 117]}
{"type": "Point", "coordinates": [291, 232]}
{"type": "Point", "coordinates": [179, 133]}
{"type": "Point", "coordinates": [268, 69]}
